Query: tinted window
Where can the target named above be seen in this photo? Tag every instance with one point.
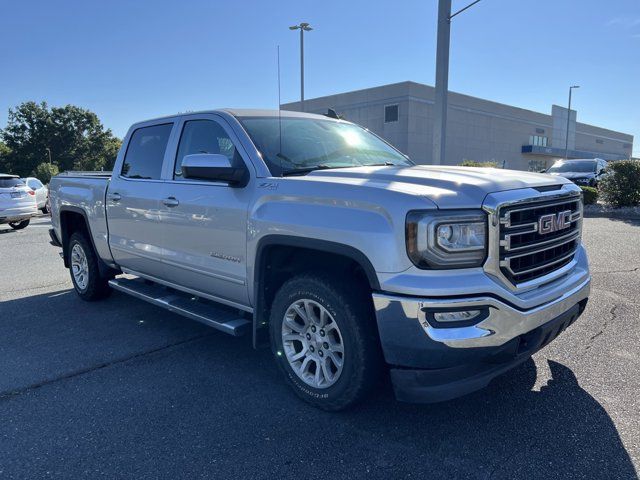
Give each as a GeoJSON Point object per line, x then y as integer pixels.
{"type": "Point", "coordinates": [579, 166]}
{"type": "Point", "coordinates": [390, 113]}
{"type": "Point", "coordinates": [34, 184]}
{"type": "Point", "coordinates": [10, 182]}
{"type": "Point", "coordinates": [146, 151]}
{"type": "Point", "coordinates": [203, 136]}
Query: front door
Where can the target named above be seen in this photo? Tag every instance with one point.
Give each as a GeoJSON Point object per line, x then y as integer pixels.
{"type": "Point", "coordinates": [204, 222]}
{"type": "Point", "coordinates": [133, 202]}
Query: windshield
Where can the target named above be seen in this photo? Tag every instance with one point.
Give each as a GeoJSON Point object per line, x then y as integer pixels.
{"type": "Point", "coordinates": [9, 182]}
{"type": "Point", "coordinates": [308, 144]}
{"type": "Point", "coordinates": [583, 166]}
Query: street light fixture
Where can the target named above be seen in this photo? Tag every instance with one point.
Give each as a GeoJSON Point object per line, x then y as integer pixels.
{"type": "Point", "coordinates": [566, 143]}
{"type": "Point", "coordinates": [303, 27]}
{"type": "Point", "coordinates": [49, 152]}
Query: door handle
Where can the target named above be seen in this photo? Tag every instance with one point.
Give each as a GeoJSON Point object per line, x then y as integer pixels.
{"type": "Point", "coordinates": [171, 202]}
{"type": "Point", "coordinates": [114, 197]}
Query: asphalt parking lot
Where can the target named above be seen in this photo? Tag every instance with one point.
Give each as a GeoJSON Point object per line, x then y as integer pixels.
{"type": "Point", "coordinates": [122, 389]}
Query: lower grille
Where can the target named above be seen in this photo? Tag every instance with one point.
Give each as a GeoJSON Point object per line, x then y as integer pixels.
{"type": "Point", "coordinates": [538, 238]}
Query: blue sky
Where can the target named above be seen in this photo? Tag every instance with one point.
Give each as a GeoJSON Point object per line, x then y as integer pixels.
{"type": "Point", "coordinates": [131, 60]}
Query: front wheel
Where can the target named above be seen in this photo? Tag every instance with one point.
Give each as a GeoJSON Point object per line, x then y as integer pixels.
{"type": "Point", "coordinates": [20, 225]}
{"type": "Point", "coordinates": [325, 341]}
{"type": "Point", "coordinates": [85, 274]}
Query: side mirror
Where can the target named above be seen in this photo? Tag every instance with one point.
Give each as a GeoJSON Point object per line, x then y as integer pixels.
{"type": "Point", "coordinates": [212, 166]}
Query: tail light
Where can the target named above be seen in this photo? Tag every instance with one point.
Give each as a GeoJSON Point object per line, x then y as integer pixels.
{"type": "Point", "coordinates": [32, 193]}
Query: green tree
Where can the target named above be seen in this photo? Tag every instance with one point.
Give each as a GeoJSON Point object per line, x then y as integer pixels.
{"type": "Point", "coordinates": [74, 136]}
{"type": "Point", "coordinates": [4, 158]}
{"type": "Point", "coordinates": [45, 171]}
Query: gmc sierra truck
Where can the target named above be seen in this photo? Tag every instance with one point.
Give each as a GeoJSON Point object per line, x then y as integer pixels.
{"type": "Point", "coordinates": [314, 236]}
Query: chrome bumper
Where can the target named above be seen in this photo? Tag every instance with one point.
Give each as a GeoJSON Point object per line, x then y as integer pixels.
{"type": "Point", "coordinates": [503, 323]}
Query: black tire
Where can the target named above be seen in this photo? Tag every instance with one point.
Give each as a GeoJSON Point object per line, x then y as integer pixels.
{"type": "Point", "coordinates": [20, 225]}
{"type": "Point", "coordinates": [352, 311]}
{"type": "Point", "coordinates": [96, 287]}
{"type": "Point", "coordinates": [44, 209]}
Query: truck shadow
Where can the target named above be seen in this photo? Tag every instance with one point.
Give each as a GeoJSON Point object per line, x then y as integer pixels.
{"type": "Point", "coordinates": [227, 393]}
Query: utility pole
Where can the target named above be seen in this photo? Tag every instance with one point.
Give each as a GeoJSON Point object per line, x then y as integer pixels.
{"type": "Point", "coordinates": [442, 78]}
{"type": "Point", "coordinates": [566, 143]}
{"type": "Point", "coordinates": [303, 27]}
{"type": "Point", "coordinates": [49, 152]}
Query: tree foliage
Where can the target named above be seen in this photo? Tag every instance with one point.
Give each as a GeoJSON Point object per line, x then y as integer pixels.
{"type": "Point", "coordinates": [620, 186]}
{"type": "Point", "coordinates": [75, 137]}
{"type": "Point", "coordinates": [45, 171]}
{"type": "Point", "coordinates": [589, 195]}
{"type": "Point", "coordinates": [473, 163]}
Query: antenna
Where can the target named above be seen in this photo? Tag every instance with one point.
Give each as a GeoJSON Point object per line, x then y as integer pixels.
{"type": "Point", "coordinates": [279, 115]}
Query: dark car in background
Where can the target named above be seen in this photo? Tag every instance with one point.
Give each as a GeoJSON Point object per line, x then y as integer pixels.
{"type": "Point", "coordinates": [585, 172]}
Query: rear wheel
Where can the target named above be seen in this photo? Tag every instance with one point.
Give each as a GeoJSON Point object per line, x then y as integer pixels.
{"type": "Point", "coordinates": [83, 266]}
{"type": "Point", "coordinates": [20, 225]}
{"type": "Point", "coordinates": [324, 341]}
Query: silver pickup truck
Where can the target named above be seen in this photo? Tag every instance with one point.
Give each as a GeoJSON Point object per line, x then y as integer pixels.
{"type": "Point", "coordinates": [316, 237]}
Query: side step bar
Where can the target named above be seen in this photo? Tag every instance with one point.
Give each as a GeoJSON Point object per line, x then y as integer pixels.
{"type": "Point", "coordinates": [220, 317]}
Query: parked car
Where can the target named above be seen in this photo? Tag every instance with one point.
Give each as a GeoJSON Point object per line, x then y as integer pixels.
{"type": "Point", "coordinates": [586, 172]}
{"type": "Point", "coordinates": [17, 202]}
{"type": "Point", "coordinates": [316, 237]}
{"type": "Point", "coordinates": [41, 192]}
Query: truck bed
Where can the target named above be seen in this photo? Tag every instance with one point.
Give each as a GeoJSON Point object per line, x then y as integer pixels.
{"type": "Point", "coordinates": [85, 193]}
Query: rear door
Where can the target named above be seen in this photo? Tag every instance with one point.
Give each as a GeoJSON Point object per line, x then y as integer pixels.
{"type": "Point", "coordinates": [133, 201]}
{"type": "Point", "coordinates": [205, 222]}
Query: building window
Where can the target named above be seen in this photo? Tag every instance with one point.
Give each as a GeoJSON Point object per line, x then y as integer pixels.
{"type": "Point", "coordinates": [538, 141]}
{"type": "Point", "coordinates": [599, 141]}
{"type": "Point", "coordinates": [539, 130]}
{"type": "Point", "coordinates": [390, 113]}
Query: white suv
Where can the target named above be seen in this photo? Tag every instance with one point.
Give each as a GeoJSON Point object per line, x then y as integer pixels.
{"type": "Point", "coordinates": [17, 202]}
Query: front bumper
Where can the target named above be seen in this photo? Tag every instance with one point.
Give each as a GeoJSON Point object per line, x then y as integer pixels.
{"type": "Point", "coordinates": [431, 363]}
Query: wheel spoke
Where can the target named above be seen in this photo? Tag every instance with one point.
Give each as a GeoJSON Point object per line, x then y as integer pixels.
{"type": "Point", "coordinates": [304, 345]}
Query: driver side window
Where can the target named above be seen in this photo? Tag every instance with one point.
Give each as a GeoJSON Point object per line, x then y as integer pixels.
{"type": "Point", "coordinates": [203, 136]}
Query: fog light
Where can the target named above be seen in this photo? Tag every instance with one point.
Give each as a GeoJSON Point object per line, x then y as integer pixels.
{"type": "Point", "coordinates": [461, 316]}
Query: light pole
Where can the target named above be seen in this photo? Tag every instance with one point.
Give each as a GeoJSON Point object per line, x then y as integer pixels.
{"type": "Point", "coordinates": [303, 27]}
{"type": "Point", "coordinates": [442, 78]}
{"type": "Point", "coordinates": [566, 143]}
{"type": "Point", "coordinates": [49, 152]}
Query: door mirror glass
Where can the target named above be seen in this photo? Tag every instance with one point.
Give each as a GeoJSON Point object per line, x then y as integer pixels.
{"type": "Point", "coordinates": [211, 166]}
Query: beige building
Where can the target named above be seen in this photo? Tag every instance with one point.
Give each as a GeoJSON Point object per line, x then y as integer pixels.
{"type": "Point", "coordinates": [477, 129]}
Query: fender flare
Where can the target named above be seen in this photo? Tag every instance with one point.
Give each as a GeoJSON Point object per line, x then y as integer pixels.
{"type": "Point", "coordinates": [309, 244]}
{"type": "Point", "coordinates": [103, 267]}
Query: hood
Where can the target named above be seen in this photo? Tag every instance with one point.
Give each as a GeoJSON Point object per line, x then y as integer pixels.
{"type": "Point", "coordinates": [571, 175]}
{"type": "Point", "coordinates": [447, 187]}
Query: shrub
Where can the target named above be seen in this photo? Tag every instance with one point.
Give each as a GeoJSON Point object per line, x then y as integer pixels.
{"type": "Point", "coordinates": [472, 163]}
{"type": "Point", "coordinates": [590, 195]}
{"type": "Point", "coordinates": [45, 171]}
{"type": "Point", "coordinates": [620, 186]}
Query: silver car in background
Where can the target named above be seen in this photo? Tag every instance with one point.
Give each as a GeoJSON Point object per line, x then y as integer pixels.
{"type": "Point", "coordinates": [40, 190]}
{"type": "Point", "coordinates": [17, 202]}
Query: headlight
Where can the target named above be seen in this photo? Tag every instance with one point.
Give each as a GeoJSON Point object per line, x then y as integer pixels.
{"type": "Point", "coordinates": [446, 239]}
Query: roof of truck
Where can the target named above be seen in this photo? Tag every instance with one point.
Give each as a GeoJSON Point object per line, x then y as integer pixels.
{"type": "Point", "coordinates": [8, 175]}
{"type": "Point", "coordinates": [243, 112]}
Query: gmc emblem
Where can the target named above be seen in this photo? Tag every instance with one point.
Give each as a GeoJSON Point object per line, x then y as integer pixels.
{"type": "Point", "coordinates": [553, 223]}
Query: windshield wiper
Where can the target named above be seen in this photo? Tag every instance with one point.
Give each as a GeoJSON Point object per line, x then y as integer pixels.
{"type": "Point", "coordinates": [303, 170]}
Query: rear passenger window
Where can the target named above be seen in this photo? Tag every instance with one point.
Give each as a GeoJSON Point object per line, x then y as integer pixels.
{"type": "Point", "coordinates": [204, 136]}
{"type": "Point", "coordinates": [145, 152]}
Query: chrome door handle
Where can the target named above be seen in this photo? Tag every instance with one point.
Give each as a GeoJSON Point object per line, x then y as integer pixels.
{"type": "Point", "coordinates": [114, 197]}
{"type": "Point", "coordinates": [171, 202]}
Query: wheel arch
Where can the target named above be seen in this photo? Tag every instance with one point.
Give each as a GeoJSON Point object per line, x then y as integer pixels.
{"type": "Point", "coordinates": [74, 219]}
{"type": "Point", "coordinates": [298, 253]}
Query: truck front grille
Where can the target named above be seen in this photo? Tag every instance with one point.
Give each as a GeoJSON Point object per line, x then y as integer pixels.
{"type": "Point", "coordinates": [526, 253]}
